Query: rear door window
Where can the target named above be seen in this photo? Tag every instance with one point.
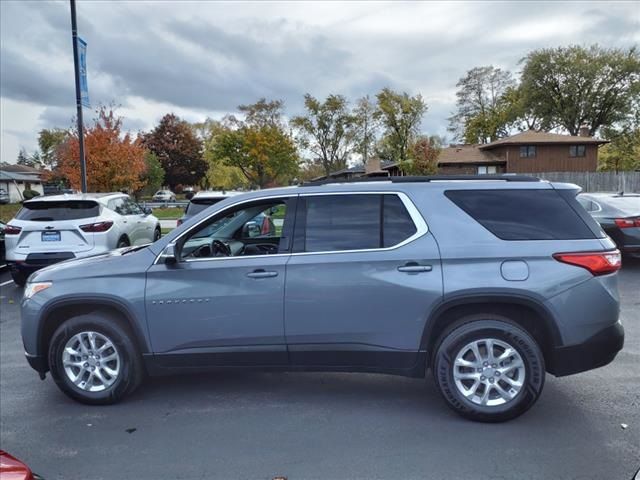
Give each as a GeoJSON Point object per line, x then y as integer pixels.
{"type": "Point", "coordinates": [397, 223]}
{"type": "Point", "coordinates": [334, 223]}
{"type": "Point", "coordinates": [132, 207]}
{"type": "Point", "coordinates": [522, 214]}
{"type": "Point", "coordinates": [62, 210]}
{"type": "Point", "coordinates": [118, 205]}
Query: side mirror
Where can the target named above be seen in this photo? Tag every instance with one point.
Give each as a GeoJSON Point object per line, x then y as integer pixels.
{"type": "Point", "coordinates": [147, 210]}
{"type": "Point", "coordinates": [168, 255]}
{"type": "Point", "coordinates": [250, 229]}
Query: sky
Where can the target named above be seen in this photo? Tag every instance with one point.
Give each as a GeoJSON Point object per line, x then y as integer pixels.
{"type": "Point", "coordinates": [201, 59]}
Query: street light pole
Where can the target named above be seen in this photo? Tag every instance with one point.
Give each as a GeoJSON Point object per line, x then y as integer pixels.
{"type": "Point", "coordinates": [76, 66]}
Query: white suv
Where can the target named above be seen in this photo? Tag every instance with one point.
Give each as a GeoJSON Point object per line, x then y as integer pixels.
{"type": "Point", "coordinates": [50, 229]}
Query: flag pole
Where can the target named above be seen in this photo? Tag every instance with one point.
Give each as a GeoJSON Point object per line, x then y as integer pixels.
{"type": "Point", "coordinates": [76, 66]}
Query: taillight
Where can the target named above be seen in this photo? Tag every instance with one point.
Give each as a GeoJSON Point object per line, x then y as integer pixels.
{"type": "Point", "coordinates": [627, 222]}
{"type": "Point", "coordinates": [598, 263]}
{"type": "Point", "coordinates": [96, 227]}
{"type": "Point", "coordinates": [179, 222]}
{"type": "Point", "coordinates": [12, 230]}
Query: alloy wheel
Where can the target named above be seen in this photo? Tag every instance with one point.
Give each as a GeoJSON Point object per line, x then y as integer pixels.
{"type": "Point", "coordinates": [91, 361]}
{"type": "Point", "coordinates": [489, 372]}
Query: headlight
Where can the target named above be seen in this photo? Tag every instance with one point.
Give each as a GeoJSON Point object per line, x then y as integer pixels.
{"type": "Point", "coordinates": [32, 288]}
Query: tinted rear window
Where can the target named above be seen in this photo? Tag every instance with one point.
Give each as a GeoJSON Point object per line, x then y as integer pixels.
{"type": "Point", "coordinates": [355, 222]}
{"type": "Point", "coordinates": [522, 214]}
{"type": "Point", "coordinates": [63, 210]}
{"type": "Point", "coordinates": [199, 204]}
{"type": "Point", "coordinates": [397, 223]}
{"type": "Point", "coordinates": [342, 222]}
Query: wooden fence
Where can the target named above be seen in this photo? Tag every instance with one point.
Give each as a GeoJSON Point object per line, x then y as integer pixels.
{"type": "Point", "coordinates": [596, 181]}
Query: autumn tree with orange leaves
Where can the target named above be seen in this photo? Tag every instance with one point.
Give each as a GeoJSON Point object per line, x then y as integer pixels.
{"type": "Point", "coordinates": [115, 161]}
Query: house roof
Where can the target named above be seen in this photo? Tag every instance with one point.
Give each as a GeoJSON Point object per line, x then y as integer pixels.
{"type": "Point", "coordinates": [357, 170]}
{"type": "Point", "coordinates": [18, 177]}
{"type": "Point", "coordinates": [532, 137]}
{"type": "Point", "coordinates": [467, 154]}
{"type": "Point", "coordinates": [20, 169]}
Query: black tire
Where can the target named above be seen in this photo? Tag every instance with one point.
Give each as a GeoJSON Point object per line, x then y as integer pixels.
{"type": "Point", "coordinates": [480, 327]}
{"type": "Point", "coordinates": [123, 242]}
{"type": "Point", "coordinates": [131, 369]}
{"type": "Point", "coordinates": [157, 234]}
{"type": "Point", "coordinates": [19, 278]}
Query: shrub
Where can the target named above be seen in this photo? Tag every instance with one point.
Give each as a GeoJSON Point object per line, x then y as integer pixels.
{"type": "Point", "coordinates": [29, 194]}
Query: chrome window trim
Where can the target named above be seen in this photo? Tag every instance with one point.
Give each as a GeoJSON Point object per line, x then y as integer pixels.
{"type": "Point", "coordinates": [230, 206]}
{"type": "Point", "coordinates": [414, 213]}
{"type": "Point", "coordinates": [417, 218]}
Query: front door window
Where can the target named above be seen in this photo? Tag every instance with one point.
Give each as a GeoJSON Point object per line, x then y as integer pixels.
{"type": "Point", "coordinates": [253, 229]}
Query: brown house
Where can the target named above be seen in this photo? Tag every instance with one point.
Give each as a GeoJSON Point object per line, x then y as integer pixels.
{"type": "Point", "coordinates": [526, 152]}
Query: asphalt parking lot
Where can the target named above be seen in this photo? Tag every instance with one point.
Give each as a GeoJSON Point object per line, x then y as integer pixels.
{"type": "Point", "coordinates": [243, 425]}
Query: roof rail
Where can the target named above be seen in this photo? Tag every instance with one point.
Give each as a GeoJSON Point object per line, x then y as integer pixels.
{"type": "Point", "coordinates": [430, 178]}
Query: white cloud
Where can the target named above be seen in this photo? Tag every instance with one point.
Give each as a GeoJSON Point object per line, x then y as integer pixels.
{"type": "Point", "coordinates": [201, 59]}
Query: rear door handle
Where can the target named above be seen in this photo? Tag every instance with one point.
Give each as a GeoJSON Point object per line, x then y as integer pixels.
{"type": "Point", "coordinates": [260, 273]}
{"type": "Point", "coordinates": [414, 268]}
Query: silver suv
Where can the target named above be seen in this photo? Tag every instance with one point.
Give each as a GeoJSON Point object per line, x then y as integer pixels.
{"type": "Point", "coordinates": [489, 283]}
{"type": "Point", "coordinates": [50, 229]}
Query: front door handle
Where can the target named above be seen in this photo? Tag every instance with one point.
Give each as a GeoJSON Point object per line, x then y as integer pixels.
{"type": "Point", "coordinates": [413, 267]}
{"type": "Point", "coordinates": [260, 273]}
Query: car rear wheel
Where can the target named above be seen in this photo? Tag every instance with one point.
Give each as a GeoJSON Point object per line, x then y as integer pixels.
{"type": "Point", "coordinates": [123, 242]}
{"type": "Point", "coordinates": [157, 234]}
{"type": "Point", "coordinates": [489, 369]}
{"type": "Point", "coordinates": [94, 360]}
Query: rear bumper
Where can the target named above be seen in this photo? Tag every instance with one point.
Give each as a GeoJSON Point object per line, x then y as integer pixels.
{"type": "Point", "coordinates": [597, 351]}
{"type": "Point", "coordinates": [35, 261]}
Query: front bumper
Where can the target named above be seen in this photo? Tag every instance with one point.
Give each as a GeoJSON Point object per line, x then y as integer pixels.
{"type": "Point", "coordinates": [597, 351]}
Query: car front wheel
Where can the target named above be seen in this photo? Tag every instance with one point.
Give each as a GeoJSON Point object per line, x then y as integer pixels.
{"type": "Point", "coordinates": [93, 359]}
{"type": "Point", "coordinates": [489, 370]}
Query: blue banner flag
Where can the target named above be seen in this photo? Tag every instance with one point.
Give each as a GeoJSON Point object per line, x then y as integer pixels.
{"type": "Point", "coordinates": [82, 60]}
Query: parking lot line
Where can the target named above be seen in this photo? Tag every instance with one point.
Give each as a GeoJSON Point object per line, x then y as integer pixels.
{"type": "Point", "coordinates": [6, 283]}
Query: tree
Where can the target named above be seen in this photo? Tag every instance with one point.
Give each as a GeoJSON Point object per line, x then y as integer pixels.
{"type": "Point", "coordinates": [623, 153]}
{"type": "Point", "coordinates": [259, 146]}
{"type": "Point", "coordinates": [482, 113]}
{"type": "Point", "coordinates": [115, 161]}
{"type": "Point", "coordinates": [263, 113]}
{"type": "Point", "coordinates": [24, 159]}
{"type": "Point", "coordinates": [424, 157]}
{"type": "Point", "coordinates": [219, 175]}
{"type": "Point", "coordinates": [326, 130]}
{"type": "Point", "coordinates": [401, 116]}
{"type": "Point", "coordinates": [153, 176]}
{"type": "Point", "coordinates": [49, 141]}
{"type": "Point", "coordinates": [179, 150]}
{"type": "Point", "coordinates": [266, 156]}
{"type": "Point", "coordinates": [366, 122]}
{"type": "Point", "coordinates": [310, 170]}
{"type": "Point", "coordinates": [574, 86]}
